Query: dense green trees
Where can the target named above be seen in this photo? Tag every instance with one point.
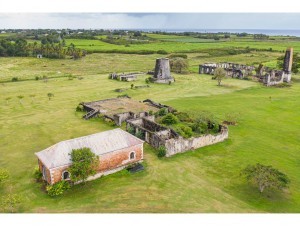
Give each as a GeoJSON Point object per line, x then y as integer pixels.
{"type": "Point", "coordinates": [58, 50]}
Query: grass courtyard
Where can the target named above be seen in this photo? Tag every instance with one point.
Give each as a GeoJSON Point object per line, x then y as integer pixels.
{"type": "Point", "coordinates": [204, 180]}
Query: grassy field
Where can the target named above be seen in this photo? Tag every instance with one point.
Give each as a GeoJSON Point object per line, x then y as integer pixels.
{"type": "Point", "coordinates": [29, 68]}
{"type": "Point", "coordinates": [204, 180]}
{"type": "Point", "coordinates": [180, 46]}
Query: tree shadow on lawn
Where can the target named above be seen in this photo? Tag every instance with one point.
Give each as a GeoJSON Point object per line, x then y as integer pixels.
{"type": "Point", "coordinates": [274, 201]}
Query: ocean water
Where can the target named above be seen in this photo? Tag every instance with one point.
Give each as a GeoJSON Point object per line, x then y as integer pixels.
{"type": "Point", "coordinates": [249, 31]}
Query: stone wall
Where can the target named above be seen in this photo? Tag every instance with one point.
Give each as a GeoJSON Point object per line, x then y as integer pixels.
{"type": "Point", "coordinates": [179, 145]}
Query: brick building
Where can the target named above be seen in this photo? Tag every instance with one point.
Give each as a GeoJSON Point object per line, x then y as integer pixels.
{"type": "Point", "coordinates": [116, 149]}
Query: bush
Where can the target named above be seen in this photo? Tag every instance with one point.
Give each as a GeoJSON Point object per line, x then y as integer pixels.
{"type": "Point", "coordinates": [169, 119]}
{"type": "Point", "coordinates": [37, 174]}
{"type": "Point", "coordinates": [183, 117]}
{"type": "Point", "coordinates": [140, 135]}
{"type": "Point", "coordinates": [147, 80]}
{"type": "Point", "coordinates": [162, 112]}
{"type": "Point", "coordinates": [79, 108]}
{"type": "Point", "coordinates": [215, 128]}
{"type": "Point", "coordinates": [161, 151]}
{"type": "Point", "coordinates": [175, 55]}
{"type": "Point", "coordinates": [58, 188]}
{"type": "Point", "coordinates": [162, 52]}
{"type": "Point", "coordinates": [37, 78]}
{"type": "Point", "coordinates": [151, 112]}
{"type": "Point", "coordinates": [14, 79]}
{"type": "Point", "coordinates": [185, 131]}
{"type": "Point", "coordinates": [283, 85]}
{"type": "Point", "coordinates": [131, 130]}
{"type": "Point", "coordinates": [200, 127]}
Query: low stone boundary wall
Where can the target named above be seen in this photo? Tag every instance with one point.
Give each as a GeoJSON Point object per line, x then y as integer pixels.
{"type": "Point", "coordinates": [179, 145]}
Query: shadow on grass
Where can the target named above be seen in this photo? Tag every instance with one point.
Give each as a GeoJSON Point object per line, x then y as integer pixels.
{"type": "Point", "coordinates": [270, 200]}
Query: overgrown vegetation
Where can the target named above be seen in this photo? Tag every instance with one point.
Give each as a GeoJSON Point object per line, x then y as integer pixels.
{"type": "Point", "coordinates": [58, 188]}
{"type": "Point", "coordinates": [84, 164]}
{"type": "Point", "coordinates": [161, 152]}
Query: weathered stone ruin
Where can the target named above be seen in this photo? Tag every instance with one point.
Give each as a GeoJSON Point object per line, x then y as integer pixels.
{"type": "Point", "coordinates": [266, 75]}
{"type": "Point", "coordinates": [271, 77]}
{"type": "Point", "coordinates": [157, 135]}
{"type": "Point", "coordinates": [125, 77]}
{"type": "Point", "coordinates": [233, 70]}
{"type": "Point", "coordinates": [162, 72]}
{"type": "Point", "coordinates": [118, 109]}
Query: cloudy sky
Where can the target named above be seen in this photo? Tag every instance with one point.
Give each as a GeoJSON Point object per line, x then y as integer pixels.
{"type": "Point", "coordinates": [287, 21]}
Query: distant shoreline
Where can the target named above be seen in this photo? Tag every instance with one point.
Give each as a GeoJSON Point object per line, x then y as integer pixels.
{"type": "Point", "coordinates": [249, 31]}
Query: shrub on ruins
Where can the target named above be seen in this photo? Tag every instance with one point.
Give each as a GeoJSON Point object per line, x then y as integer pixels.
{"type": "Point", "coordinates": [183, 117]}
{"type": "Point", "coordinates": [131, 130]}
{"type": "Point", "coordinates": [58, 188]}
{"type": "Point", "coordinates": [205, 122]}
{"type": "Point", "coordinates": [162, 112]}
{"type": "Point", "coordinates": [200, 127]}
{"type": "Point", "coordinates": [169, 119]}
{"type": "Point", "coordinates": [265, 177]}
{"type": "Point", "coordinates": [161, 151]}
{"type": "Point", "coordinates": [84, 164]}
{"type": "Point", "coordinates": [140, 135]}
{"type": "Point", "coordinates": [184, 131]}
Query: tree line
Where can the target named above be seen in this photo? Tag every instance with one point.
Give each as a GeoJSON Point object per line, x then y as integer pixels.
{"type": "Point", "coordinates": [20, 47]}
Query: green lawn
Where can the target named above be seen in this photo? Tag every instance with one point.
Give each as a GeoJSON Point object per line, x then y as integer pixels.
{"type": "Point", "coordinates": [205, 180]}
{"type": "Point", "coordinates": [180, 46]}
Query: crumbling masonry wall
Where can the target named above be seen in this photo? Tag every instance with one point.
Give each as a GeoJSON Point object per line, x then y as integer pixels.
{"type": "Point", "coordinates": [157, 135]}
{"type": "Point", "coordinates": [179, 145]}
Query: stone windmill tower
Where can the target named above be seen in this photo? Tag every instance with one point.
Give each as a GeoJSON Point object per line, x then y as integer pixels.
{"type": "Point", "coordinates": [162, 72]}
{"type": "Point", "coordinates": [287, 64]}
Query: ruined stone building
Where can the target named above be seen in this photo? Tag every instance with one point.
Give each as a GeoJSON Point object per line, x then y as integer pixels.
{"type": "Point", "coordinates": [162, 72]}
{"type": "Point", "coordinates": [266, 75]}
{"type": "Point", "coordinates": [125, 77]}
{"type": "Point", "coordinates": [157, 135]}
{"type": "Point", "coordinates": [115, 148]}
{"type": "Point", "coordinates": [233, 70]}
{"type": "Point", "coordinates": [272, 77]}
{"type": "Point", "coordinates": [118, 109]}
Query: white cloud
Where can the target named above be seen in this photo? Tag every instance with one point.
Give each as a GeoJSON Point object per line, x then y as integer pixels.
{"type": "Point", "coordinates": [151, 21]}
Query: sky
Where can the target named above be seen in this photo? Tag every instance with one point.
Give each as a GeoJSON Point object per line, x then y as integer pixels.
{"type": "Point", "coordinates": [159, 21]}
